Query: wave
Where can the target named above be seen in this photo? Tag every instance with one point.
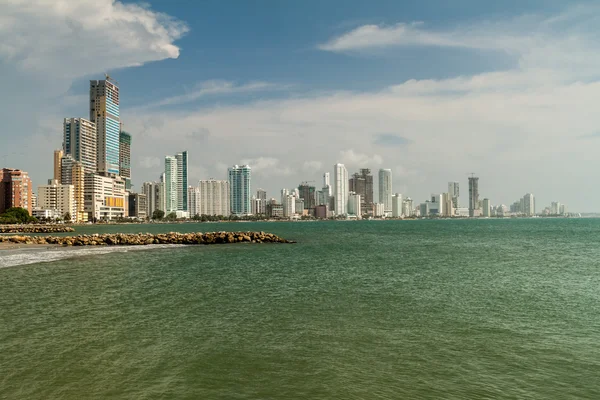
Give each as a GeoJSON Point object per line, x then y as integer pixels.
{"type": "Point", "coordinates": [34, 255]}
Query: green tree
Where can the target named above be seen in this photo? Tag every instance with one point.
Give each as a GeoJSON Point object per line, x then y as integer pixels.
{"type": "Point", "coordinates": [16, 215]}
{"type": "Point", "coordinates": [171, 217]}
{"type": "Point", "coordinates": [67, 217]}
{"type": "Point", "coordinates": [158, 214]}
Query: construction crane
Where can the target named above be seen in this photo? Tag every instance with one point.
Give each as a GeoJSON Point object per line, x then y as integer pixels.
{"type": "Point", "coordinates": [108, 78]}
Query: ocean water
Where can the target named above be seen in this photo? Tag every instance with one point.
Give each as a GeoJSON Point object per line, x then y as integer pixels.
{"type": "Point", "coordinates": [486, 309]}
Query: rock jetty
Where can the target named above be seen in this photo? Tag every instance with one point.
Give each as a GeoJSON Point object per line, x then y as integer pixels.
{"type": "Point", "coordinates": [141, 239]}
{"type": "Point", "coordinates": [35, 229]}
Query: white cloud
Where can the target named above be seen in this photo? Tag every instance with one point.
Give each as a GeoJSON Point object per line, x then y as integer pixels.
{"type": "Point", "coordinates": [69, 39]}
{"type": "Point", "coordinates": [149, 162]}
{"type": "Point", "coordinates": [312, 166]}
{"type": "Point", "coordinates": [352, 158]}
{"type": "Point", "coordinates": [215, 87]}
{"type": "Point", "coordinates": [267, 166]}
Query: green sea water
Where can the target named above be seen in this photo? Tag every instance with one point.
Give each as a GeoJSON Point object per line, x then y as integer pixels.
{"type": "Point", "coordinates": [486, 309]}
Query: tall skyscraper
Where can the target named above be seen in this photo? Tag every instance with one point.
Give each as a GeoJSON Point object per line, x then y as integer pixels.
{"type": "Point", "coordinates": [454, 191]}
{"type": "Point", "coordinates": [473, 196]}
{"type": "Point", "coordinates": [326, 181]}
{"type": "Point", "coordinates": [171, 190]}
{"type": "Point", "coordinates": [104, 112]}
{"type": "Point", "coordinates": [529, 204]}
{"type": "Point", "coordinates": [309, 194]}
{"type": "Point", "coordinates": [58, 155]}
{"type": "Point", "coordinates": [362, 183]}
{"type": "Point", "coordinates": [125, 158]}
{"type": "Point", "coordinates": [176, 182]}
{"type": "Point", "coordinates": [240, 189]}
{"type": "Point", "coordinates": [385, 189]}
{"type": "Point", "coordinates": [182, 180]}
{"type": "Point", "coordinates": [15, 190]}
{"type": "Point", "coordinates": [80, 142]}
{"type": "Point", "coordinates": [340, 189]}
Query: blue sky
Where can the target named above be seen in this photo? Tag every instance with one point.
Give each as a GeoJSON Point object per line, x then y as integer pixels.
{"type": "Point", "coordinates": [432, 89]}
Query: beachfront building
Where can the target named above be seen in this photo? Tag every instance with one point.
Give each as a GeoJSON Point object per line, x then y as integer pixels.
{"type": "Point", "coordinates": [58, 198]}
{"type": "Point", "coordinates": [354, 205]}
{"type": "Point", "coordinates": [397, 205]}
{"type": "Point", "coordinates": [214, 197]}
{"type": "Point", "coordinates": [240, 189]}
{"type": "Point", "coordinates": [104, 197]}
{"type": "Point", "coordinates": [15, 189]}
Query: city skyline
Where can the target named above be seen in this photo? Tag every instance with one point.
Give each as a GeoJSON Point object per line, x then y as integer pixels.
{"type": "Point", "coordinates": [424, 110]}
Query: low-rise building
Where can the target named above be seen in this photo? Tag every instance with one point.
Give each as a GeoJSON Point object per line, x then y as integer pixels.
{"type": "Point", "coordinates": [59, 198]}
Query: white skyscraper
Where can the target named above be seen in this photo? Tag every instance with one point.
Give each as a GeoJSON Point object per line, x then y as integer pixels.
{"type": "Point", "coordinates": [193, 199]}
{"type": "Point", "coordinates": [529, 204]}
{"type": "Point", "coordinates": [385, 189]}
{"type": "Point", "coordinates": [340, 189]}
{"type": "Point", "coordinates": [214, 197]}
{"type": "Point", "coordinates": [171, 190]}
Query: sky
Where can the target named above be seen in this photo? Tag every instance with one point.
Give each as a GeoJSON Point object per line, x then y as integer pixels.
{"type": "Point", "coordinates": [434, 90]}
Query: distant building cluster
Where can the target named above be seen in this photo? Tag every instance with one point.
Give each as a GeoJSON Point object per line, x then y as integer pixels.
{"type": "Point", "coordinates": [92, 181]}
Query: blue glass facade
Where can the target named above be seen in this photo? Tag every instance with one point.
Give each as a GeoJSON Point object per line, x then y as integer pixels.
{"type": "Point", "coordinates": [113, 130]}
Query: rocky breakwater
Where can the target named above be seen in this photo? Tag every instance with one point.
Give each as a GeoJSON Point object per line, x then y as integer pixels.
{"type": "Point", "coordinates": [35, 228]}
{"type": "Point", "coordinates": [141, 239]}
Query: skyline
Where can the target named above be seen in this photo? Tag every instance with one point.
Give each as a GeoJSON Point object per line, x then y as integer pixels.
{"type": "Point", "coordinates": [515, 107]}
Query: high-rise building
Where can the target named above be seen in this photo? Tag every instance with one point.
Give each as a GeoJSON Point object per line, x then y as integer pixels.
{"type": "Point", "coordinates": [487, 208]}
{"type": "Point", "coordinates": [454, 191]}
{"type": "Point", "coordinates": [473, 196]}
{"type": "Point", "coordinates": [448, 203]}
{"type": "Point", "coordinates": [397, 205]}
{"type": "Point", "coordinates": [326, 181]}
{"type": "Point", "coordinates": [261, 204]}
{"type": "Point", "coordinates": [340, 189]}
{"type": "Point", "coordinates": [155, 197]}
{"type": "Point", "coordinates": [193, 201]}
{"type": "Point", "coordinates": [407, 207]}
{"type": "Point", "coordinates": [529, 204]}
{"type": "Point", "coordinates": [125, 158]}
{"type": "Point", "coordinates": [289, 205]}
{"type": "Point", "coordinates": [385, 189]}
{"type": "Point", "coordinates": [58, 155]}
{"type": "Point", "coordinates": [104, 112]}
{"type": "Point", "coordinates": [214, 197]}
{"type": "Point", "coordinates": [362, 183]}
{"type": "Point", "coordinates": [78, 182]}
{"type": "Point", "coordinates": [58, 198]}
{"type": "Point", "coordinates": [105, 197]}
{"type": "Point", "coordinates": [354, 204]}
{"type": "Point", "coordinates": [171, 189]}
{"type": "Point", "coordinates": [309, 194]}
{"type": "Point", "coordinates": [80, 142]}
{"type": "Point", "coordinates": [182, 180]}
{"type": "Point", "coordinates": [436, 205]}
{"type": "Point", "coordinates": [15, 190]}
{"type": "Point", "coordinates": [240, 189]}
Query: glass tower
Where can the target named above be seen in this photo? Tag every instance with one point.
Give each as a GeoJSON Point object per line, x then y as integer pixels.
{"type": "Point", "coordinates": [239, 186]}
{"type": "Point", "coordinates": [104, 112]}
